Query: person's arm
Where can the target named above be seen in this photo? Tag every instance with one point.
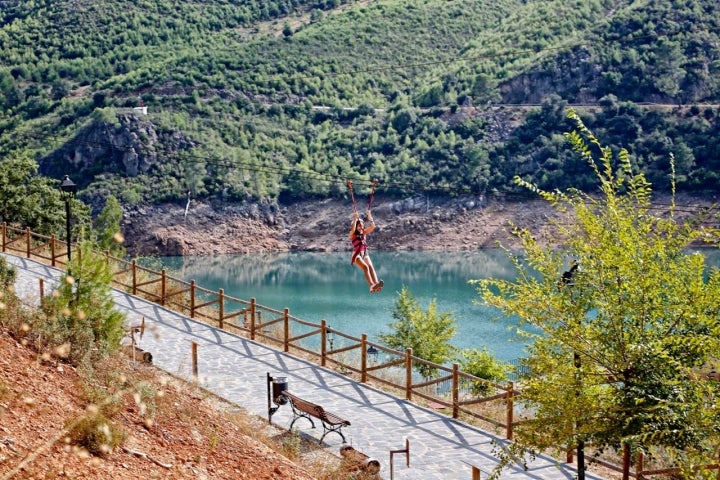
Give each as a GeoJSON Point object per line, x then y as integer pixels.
{"type": "Point", "coordinates": [353, 224]}
{"type": "Point", "coordinates": [371, 227]}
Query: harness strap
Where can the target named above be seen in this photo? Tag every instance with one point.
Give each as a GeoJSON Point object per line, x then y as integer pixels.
{"type": "Point", "coordinates": [372, 193]}
{"type": "Point", "coordinates": [350, 187]}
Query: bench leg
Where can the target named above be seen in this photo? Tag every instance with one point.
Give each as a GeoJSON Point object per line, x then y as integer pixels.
{"type": "Point", "coordinates": [336, 430]}
{"type": "Point", "coordinates": [300, 415]}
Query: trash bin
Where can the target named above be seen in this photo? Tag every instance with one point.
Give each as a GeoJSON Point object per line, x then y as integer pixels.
{"type": "Point", "coordinates": [279, 385]}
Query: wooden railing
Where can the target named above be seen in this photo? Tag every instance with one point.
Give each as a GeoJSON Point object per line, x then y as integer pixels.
{"type": "Point", "coordinates": [449, 389]}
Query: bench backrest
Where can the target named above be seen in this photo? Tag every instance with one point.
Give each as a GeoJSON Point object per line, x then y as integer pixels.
{"type": "Point", "coordinates": [305, 406]}
{"type": "Point", "coordinates": [315, 410]}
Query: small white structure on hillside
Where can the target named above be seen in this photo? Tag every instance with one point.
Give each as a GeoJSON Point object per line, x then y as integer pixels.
{"type": "Point", "coordinates": [141, 107]}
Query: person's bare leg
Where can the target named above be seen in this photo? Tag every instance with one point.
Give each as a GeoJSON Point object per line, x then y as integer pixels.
{"type": "Point", "coordinates": [360, 262]}
{"type": "Point", "coordinates": [377, 283]}
{"type": "Point", "coordinates": [371, 268]}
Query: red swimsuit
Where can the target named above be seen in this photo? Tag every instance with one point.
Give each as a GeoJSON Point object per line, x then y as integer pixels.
{"type": "Point", "coordinates": [359, 247]}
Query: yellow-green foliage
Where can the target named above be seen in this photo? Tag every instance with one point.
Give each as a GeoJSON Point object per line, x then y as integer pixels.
{"type": "Point", "coordinates": [623, 336]}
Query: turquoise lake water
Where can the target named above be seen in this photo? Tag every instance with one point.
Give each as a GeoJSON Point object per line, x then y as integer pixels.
{"type": "Point", "coordinates": [317, 286]}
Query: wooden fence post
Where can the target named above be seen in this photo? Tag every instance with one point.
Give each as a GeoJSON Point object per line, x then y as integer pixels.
{"type": "Point", "coordinates": [163, 281]}
{"type": "Point", "coordinates": [4, 235]}
{"type": "Point", "coordinates": [133, 269]}
{"type": "Point", "coordinates": [42, 288]}
{"type": "Point", "coordinates": [27, 241]}
{"type": "Point", "coordinates": [221, 308]}
{"type": "Point", "coordinates": [408, 373]}
{"type": "Point", "coordinates": [363, 358]}
{"type": "Point", "coordinates": [455, 391]}
{"type": "Point", "coordinates": [52, 249]}
{"type": "Point", "coordinates": [626, 462]}
{"type": "Point", "coordinates": [286, 330]}
{"type": "Point", "coordinates": [192, 298]}
{"type": "Point", "coordinates": [252, 318]}
{"type": "Point", "coordinates": [323, 343]}
{"type": "Point", "coordinates": [640, 466]}
{"type": "Point", "coordinates": [510, 410]}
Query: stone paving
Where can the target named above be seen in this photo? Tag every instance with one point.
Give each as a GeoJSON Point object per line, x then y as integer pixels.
{"type": "Point", "coordinates": [236, 369]}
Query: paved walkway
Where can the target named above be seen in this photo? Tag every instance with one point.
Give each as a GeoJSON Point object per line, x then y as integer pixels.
{"type": "Point", "coordinates": [236, 369]}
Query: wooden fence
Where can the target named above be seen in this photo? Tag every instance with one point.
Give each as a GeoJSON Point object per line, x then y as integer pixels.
{"type": "Point", "coordinates": [450, 390]}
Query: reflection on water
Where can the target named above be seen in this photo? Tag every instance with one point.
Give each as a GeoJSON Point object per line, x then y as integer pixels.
{"type": "Point", "coordinates": [316, 286]}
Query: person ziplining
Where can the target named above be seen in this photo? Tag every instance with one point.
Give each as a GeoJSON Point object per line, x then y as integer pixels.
{"type": "Point", "coordinates": [358, 237]}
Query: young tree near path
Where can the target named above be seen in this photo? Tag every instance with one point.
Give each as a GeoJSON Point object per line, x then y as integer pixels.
{"type": "Point", "coordinates": [426, 332]}
{"type": "Point", "coordinates": [629, 337]}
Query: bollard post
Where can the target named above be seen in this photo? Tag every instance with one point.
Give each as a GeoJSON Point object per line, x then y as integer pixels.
{"type": "Point", "coordinates": [195, 360]}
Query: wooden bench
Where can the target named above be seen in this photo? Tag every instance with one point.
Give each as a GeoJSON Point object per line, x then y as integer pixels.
{"type": "Point", "coordinates": [303, 409]}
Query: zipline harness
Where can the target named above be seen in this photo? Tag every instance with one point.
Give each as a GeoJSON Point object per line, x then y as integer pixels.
{"type": "Point", "coordinates": [372, 194]}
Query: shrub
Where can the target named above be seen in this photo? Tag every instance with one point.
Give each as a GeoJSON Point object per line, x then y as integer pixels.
{"type": "Point", "coordinates": [81, 312]}
{"type": "Point", "coordinates": [483, 364]}
{"type": "Point", "coordinates": [8, 273]}
{"type": "Point", "coordinates": [96, 433]}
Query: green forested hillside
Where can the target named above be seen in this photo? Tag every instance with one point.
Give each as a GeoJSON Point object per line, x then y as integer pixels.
{"type": "Point", "coordinates": [287, 99]}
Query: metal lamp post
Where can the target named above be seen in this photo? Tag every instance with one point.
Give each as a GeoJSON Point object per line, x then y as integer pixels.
{"type": "Point", "coordinates": [568, 280]}
{"type": "Point", "coordinates": [68, 188]}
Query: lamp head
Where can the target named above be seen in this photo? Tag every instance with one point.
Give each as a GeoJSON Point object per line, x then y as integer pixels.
{"type": "Point", "coordinates": [68, 186]}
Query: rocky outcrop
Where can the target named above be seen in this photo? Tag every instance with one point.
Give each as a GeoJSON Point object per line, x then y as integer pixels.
{"type": "Point", "coordinates": [419, 223]}
{"type": "Point", "coordinates": [116, 142]}
{"type": "Point", "coordinates": [202, 229]}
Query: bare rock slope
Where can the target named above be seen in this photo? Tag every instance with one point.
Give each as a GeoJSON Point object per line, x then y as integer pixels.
{"type": "Point", "coordinates": [410, 224]}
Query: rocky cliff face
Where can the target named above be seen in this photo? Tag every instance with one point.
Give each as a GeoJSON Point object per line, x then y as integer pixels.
{"type": "Point", "coordinates": [410, 224]}
{"type": "Point", "coordinates": [116, 142]}
{"type": "Point", "coordinates": [419, 223]}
